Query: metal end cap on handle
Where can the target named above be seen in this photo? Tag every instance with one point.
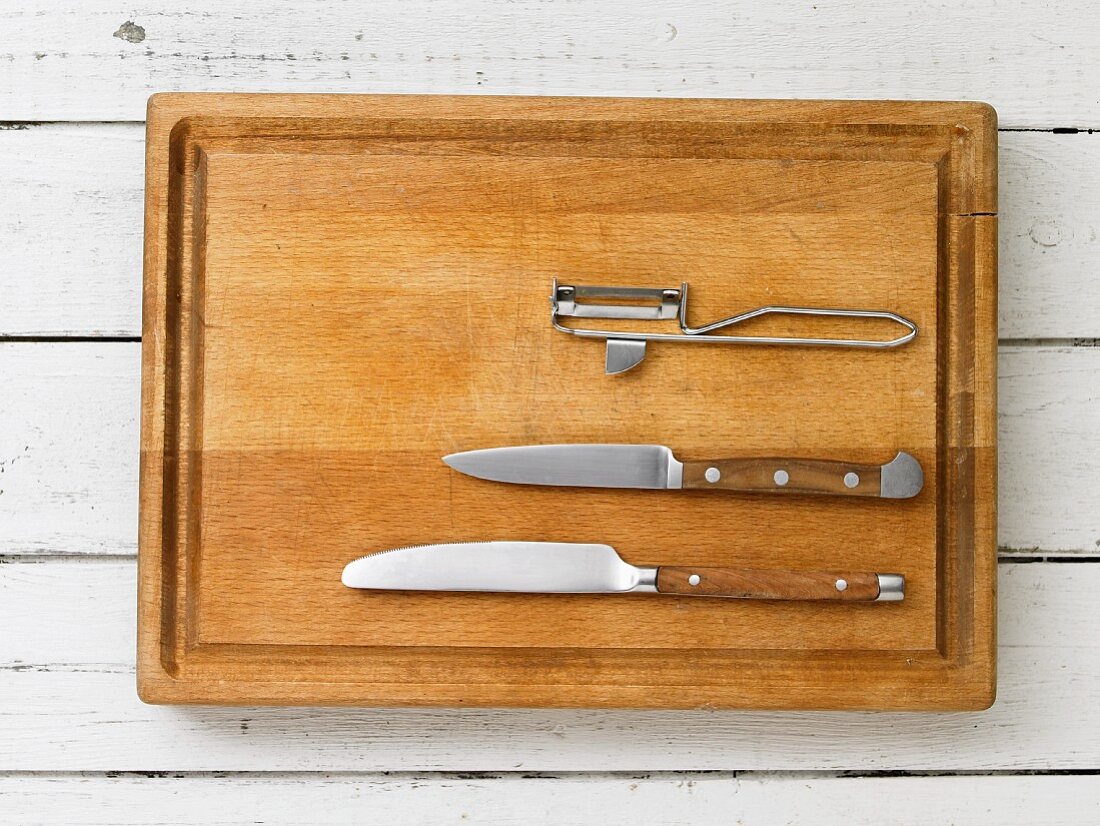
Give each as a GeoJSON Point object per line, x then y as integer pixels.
{"type": "Point", "coordinates": [902, 478]}
{"type": "Point", "coordinates": [891, 588]}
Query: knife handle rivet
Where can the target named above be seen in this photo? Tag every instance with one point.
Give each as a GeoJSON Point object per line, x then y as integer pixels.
{"type": "Point", "coordinates": [694, 580]}
{"type": "Point", "coordinates": [713, 474]}
{"type": "Point", "coordinates": [781, 477]}
{"type": "Point", "coordinates": [842, 585]}
{"type": "Point", "coordinates": [851, 480]}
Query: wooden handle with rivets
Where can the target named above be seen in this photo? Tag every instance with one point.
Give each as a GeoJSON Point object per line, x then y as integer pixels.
{"type": "Point", "coordinates": [777, 475]}
{"type": "Point", "coordinates": [750, 583]}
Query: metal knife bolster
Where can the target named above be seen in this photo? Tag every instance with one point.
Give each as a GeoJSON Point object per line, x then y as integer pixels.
{"type": "Point", "coordinates": [675, 472]}
{"type": "Point", "coordinates": [647, 581]}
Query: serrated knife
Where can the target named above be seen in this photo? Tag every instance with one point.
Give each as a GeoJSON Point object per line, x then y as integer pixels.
{"type": "Point", "coordinates": [654, 467]}
{"type": "Point", "coordinates": [568, 568]}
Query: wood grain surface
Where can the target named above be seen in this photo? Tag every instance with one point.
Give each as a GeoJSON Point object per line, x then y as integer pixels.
{"type": "Point", "coordinates": [291, 391]}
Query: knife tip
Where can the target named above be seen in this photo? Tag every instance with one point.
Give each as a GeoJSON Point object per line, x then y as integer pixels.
{"type": "Point", "coordinates": [345, 576]}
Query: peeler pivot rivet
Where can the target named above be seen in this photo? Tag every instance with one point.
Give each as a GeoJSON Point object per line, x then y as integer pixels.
{"type": "Point", "coordinates": [781, 477]}
{"type": "Point", "coordinates": [693, 579]}
{"type": "Point", "coordinates": [842, 585]}
{"type": "Point", "coordinates": [713, 474]}
{"type": "Point", "coordinates": [851, 480]}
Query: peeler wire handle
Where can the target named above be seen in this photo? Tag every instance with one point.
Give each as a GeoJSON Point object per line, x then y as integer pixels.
{"type": "Point", "coordinates": [782, 310]}
{"type": "Point", "coordinates": [673, 304]}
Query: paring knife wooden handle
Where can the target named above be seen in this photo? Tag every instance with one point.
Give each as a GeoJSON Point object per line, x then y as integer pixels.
{"type": "Point", "coordinates": [750, 583]}
{"type": "Point", "coordinates": [900, 478]}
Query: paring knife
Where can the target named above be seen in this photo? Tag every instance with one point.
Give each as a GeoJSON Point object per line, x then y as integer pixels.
{"type": "Point", "coordinates": [654, 467]}
{"type": "Point", "coordinates": [565, 568]}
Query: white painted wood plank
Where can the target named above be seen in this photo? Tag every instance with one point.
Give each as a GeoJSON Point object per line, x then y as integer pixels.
{"type": "Point", "coordinates": [71, 229]}
{"type": "Point", "coordinates": [605, 799]}
{"type": "Point", "coordinates": [917, 801]}
{"type": "Point", "coordinates": [70, 704]}
{"type": "Point", "coordinates": [69, 448]}
{"type": "Point", "coordinates": [432, 799]}
{"type": "Point", "coordinates": [70, 233]}
{"type": "Point", "coordinates": [63, 614]}
{"type": "Point", "coordinates": [1048, 444]}
{"type": "Point", "coordinates": [99, 60]}
{"type": "Point", "coordinates": [1049, 254]}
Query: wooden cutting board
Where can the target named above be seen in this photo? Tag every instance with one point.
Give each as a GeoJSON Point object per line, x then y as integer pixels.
{"type": "Point", "coordinates": [339, 290]}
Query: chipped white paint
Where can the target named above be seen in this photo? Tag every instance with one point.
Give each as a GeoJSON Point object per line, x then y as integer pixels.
{"type": "Point", "coordinates": [71, 231]}
{"type": "Point", "coordinates": [718, 799]}
{"type": "Point", "coordinates": [69, 448]}
{"type": "Point", "coordinates": [1034, 61]}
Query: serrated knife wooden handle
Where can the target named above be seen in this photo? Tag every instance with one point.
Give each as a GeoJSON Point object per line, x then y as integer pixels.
{"type": "Point", "coordinates": [750, 583]}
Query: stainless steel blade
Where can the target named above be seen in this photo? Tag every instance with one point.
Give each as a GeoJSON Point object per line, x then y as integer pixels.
{"type": "Point", "coordinates": [588, 466]}
{"type": "Point", "coordinates": [525, 567]}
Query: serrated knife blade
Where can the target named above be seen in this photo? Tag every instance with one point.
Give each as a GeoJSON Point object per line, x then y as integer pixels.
{"type": "Point", "coordinates": [572, 568]}
{"type": "Point", "coordinates": [525, 567]}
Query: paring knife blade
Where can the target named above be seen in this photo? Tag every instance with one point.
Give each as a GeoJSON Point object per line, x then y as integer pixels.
{"type": "Point", "coordinates": [654, 467]}
{"type": "Point", "coordinates": [567, 568]}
